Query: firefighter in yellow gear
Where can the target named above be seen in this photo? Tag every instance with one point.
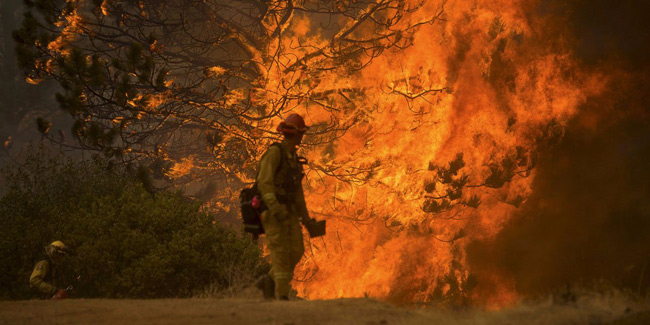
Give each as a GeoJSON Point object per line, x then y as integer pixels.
{"type": "Point", "coordinates": [44, 274]}
{"type": "Point", "coordinates": [279, 182]}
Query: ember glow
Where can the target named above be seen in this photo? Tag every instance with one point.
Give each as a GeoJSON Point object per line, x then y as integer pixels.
{"type": "Point", "coordinates": [428, 118]}
{"type": "Point", "coordinates": [442, 153]}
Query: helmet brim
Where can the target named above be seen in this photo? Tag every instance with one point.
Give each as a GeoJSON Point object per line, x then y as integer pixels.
{"type": "Point", "coordinates": [289, 128]}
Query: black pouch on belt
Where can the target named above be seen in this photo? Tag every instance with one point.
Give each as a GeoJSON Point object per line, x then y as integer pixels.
{"type": "Point", "coordinates": [250, 215]}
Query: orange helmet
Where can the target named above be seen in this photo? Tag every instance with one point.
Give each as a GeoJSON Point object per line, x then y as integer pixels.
{"type": "Point", "coordinates": [293, 124]}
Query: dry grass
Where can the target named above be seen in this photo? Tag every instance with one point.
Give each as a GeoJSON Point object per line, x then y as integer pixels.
{"type": "Point", "coordinates": [590, 306]}
{"type": "Point", "coordinates": [241, 286]}
{"type": "Point", "coordinates": [596, 303]}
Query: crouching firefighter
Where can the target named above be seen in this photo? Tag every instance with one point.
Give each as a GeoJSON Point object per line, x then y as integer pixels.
{"type": "Point", "coordinates": [44, 276]}
{"type": "Point", "coordinates": [279, 183]}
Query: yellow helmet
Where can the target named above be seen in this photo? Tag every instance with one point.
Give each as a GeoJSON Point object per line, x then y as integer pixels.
{"type": "Point", "coordinates": [56, 247]}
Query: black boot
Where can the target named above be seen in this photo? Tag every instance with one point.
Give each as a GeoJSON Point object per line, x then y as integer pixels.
{"type": "Point", "coordinates": [267, 285]}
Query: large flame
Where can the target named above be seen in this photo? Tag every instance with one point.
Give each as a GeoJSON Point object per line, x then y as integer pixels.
{"type": "Point", "coordinates": [478, 93]}
{"type": "Point", "coordinates": [435, 142]}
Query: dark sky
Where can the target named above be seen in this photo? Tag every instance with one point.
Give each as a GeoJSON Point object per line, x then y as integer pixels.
{"type": "Point", "coordinates": [589, 216]}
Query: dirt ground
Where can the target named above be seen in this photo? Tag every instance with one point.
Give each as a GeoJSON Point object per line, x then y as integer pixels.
{"type": "Point", "coordinates": [589, 310]}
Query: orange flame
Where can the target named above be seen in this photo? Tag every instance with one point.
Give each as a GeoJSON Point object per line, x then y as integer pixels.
{"type": "Point", "coordinates": [182, 168]}
{"type": "Point", "coordinates": [483, 82]}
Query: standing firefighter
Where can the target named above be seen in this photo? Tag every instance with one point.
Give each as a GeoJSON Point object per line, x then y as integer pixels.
{"type": "Point", "coordinates": [279, 183]}
{"type": "Point", "coordinates": [44, 274]}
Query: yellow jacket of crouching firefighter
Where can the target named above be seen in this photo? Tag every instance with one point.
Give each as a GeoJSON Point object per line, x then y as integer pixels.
{"type": "Point", "coordinates": [42, 277]}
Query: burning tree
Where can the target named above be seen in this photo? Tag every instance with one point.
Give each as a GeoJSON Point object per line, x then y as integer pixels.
{"type": "Point", "coordinates": [197, 84]}
{"type": "Point", "coordinates": [427, 123]}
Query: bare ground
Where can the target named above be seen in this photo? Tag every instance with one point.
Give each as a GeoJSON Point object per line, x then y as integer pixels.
{"type": "Point", "coordinates": [585, 310]}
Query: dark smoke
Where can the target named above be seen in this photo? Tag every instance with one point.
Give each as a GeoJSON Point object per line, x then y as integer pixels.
{"type": "Point", "coordinates": [589, 216]}
{"type": "Point", "coordinates": [21, 103]}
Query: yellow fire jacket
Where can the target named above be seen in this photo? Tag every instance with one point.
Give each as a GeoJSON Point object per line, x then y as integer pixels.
{"type": "Point", "coordinates": [42, 276]}
{"type": "Point", "coordinates": [271, 181]}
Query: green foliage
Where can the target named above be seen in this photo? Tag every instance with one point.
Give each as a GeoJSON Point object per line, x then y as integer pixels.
{"type": "Point", "coordinates": [43, 125]}
{"type": "Point", "coordinates": [436, 205]}
{"type": "Point", "coordinates": [453, 184]}
{"type": "Point", "coordinates": [127, 242]}
{"type": "Point", "coordinates": [451, 179]}
{"type": "Point", "coordinates": [160, 79]}
{"type": "Point", "coordinates": [474, 201]}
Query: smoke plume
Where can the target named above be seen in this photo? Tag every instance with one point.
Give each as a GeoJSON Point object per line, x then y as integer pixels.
{"type": "Point", "coordinates": [588, 218]}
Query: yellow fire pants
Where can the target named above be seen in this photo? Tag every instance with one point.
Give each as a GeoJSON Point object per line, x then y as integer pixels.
{"type": "Point", "coordinates": [285, 243]}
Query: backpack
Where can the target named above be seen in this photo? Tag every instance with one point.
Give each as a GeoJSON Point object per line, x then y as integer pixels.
{"type": "Point", "coordinates": [252, 205]}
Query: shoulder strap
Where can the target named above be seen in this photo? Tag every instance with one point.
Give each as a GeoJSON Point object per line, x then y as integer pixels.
{"type": "Point", "coordinates": [282, 159]}
{"type": "Point", "coordinates": [282, 155]}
